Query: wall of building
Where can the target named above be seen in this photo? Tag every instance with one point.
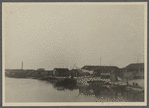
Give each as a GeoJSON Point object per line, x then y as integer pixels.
{"type": "Point", "coordinates": [61, 73]}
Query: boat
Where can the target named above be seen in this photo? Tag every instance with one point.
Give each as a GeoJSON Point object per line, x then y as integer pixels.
{"type": "Point", "coordinates": [100, 82]}
{"type": "Point", "coordinates": [102, 85]}
{"type": "Point", "coordinates": [118, 87]}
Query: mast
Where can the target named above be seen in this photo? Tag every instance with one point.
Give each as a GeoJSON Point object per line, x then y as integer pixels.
{"type": "Point", "coordinates": [73, 65]}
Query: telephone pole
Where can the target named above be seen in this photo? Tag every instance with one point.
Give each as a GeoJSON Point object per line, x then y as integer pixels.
{"type": "Point", "coordinates": [22, 66]}
{"type": "Point", "coordinates": [100, 61]}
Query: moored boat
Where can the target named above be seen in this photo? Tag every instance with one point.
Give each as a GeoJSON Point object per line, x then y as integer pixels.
{"type": "Point", "coordinates": [99, 84]}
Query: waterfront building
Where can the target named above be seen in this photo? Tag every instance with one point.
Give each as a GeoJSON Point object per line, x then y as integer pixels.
{"type": "Point", "coordinates": [89, 69]}
{"type": "Point", "coordinates": [133, 71]}
{"type": "Point", "coordinates": [74, 72]}
{"type": "Point", "coordinates": [61, 72]}
{"type": "Point", "coordinates": [107, 72]}
{"type": "Point", "coordinates": [19, 72]}
{"type": "Point", "coordinates": [49, 72]}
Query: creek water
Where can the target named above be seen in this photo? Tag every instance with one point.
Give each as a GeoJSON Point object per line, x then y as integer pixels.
{"type": "Point", "coordinates": [33, 90]}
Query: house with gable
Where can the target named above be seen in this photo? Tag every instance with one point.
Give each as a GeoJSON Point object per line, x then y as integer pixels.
{"type": "Point", "coordinates": [61, 72]}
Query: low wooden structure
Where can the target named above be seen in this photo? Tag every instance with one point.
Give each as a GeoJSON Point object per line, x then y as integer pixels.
{"type": "Point", "coordinates": [61, 72]}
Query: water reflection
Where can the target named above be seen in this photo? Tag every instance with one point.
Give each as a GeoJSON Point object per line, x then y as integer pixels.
{"type": "Point", "coordinates": [103, 94]}
{"type": "Point", "coordinates": [65, 84]}
{"type": "Point", "coordinates": [31, 90]}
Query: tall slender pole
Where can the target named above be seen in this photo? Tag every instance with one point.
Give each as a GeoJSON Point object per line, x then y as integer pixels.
{"type": "Point", "coordinates": [100, 61]}
{"type": "Point", "coordinates": [22, 65]}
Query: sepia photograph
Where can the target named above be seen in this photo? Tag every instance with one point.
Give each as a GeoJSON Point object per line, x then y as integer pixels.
{"type": "Point", "coordinates": [74, 54]}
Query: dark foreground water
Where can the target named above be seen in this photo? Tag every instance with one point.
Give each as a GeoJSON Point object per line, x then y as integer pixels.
{"type": "Point", "coordinates": [32, 90]}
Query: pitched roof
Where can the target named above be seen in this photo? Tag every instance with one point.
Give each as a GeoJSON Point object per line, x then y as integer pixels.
{"type": "Point", "coordinates": [75, 70]}
{"type": "Point", "coordinates": [98, 67]}
{"type": "Point", "coordinates": [49, 70]}
{"type": "Point", "coordinates": [135, 66]}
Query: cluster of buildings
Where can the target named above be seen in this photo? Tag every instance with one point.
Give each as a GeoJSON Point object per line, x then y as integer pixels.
{"type": "Point", "coordinates": [22, 73]}
{"type": "Point", "coordinates": [132, 71]}
{"type": "Point", "coordinates": [57, 72]}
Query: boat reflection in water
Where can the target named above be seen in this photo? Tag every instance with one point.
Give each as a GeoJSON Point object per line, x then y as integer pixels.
{"type": "Point", "coordinates": [67, 83]}
{"type": "Point", "coordinates": [102, 93]}
{"type": "Point", "coordinates": [31, 90]}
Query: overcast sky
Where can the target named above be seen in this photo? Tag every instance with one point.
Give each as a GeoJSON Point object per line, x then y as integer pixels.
{"type": "Point", "coordinates": [46, 35]}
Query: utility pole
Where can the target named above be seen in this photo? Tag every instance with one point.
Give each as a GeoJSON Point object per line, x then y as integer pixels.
{"type": "Point", "coordinates": [100, 61]}
{"type": "Point", "coordinates": [22, 66]}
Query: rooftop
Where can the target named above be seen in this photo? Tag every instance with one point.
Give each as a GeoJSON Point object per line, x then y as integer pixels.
{"type": "Point", "coordinates": [87, 67]}
{"type": "Point", "coordinates": [135, 65]}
